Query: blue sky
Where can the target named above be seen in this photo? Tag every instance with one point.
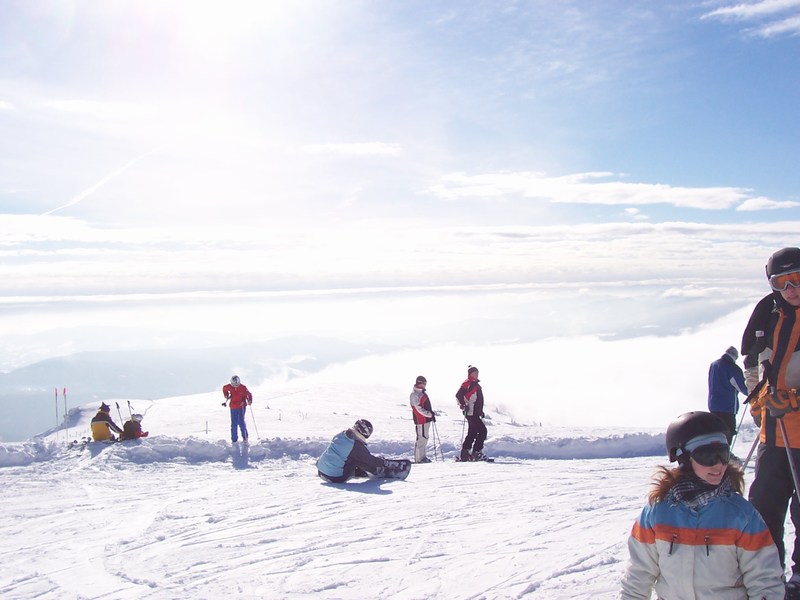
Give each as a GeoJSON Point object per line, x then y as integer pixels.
{"type": "Point", "coordinates": [187, 147]}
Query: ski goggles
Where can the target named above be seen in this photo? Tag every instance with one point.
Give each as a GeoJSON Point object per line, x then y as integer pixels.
{"type": "Point", "coordinates": [711, 454]}
{"type": "Point", "coordinates": [781, 282]}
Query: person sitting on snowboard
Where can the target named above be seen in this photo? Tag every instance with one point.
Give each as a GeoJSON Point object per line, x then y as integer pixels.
{"type": "Point", "coordinates": [470, 399]}
{"type": "Point", "coordinates": [132, 429]}
{"type": "Point", "coordinates": [102, 425]}
{"type": "Point", "coordinates": [347, 456]}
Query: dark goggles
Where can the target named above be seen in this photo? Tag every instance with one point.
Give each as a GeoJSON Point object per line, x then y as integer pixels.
{"type": "Point", "coordinates": [781, 282]}
{"type": "Point", "coordinates": [710, 455]}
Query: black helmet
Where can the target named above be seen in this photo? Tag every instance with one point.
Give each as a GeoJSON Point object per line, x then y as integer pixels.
{"type": "Point", "coordinates": [687, 427]}
{"type": "Point", "coordinates": [363, 427]}
{"type": "Point", "coordinates": [783, 261]}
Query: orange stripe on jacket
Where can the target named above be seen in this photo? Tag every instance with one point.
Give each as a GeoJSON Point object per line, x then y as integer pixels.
{"type": "Point", "coordinates": [702, 537]}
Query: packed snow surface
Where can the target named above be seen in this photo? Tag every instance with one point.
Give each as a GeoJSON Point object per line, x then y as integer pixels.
{"type": "Point", "coordinates": [184, 513]}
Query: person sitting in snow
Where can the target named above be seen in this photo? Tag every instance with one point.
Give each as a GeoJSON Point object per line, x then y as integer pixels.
{"type": "Point", "coordinates": [698, 537]}
{"type": "Point", "coordinates": [347, 456]}
{"type": "Point", "coordinates": [132, 429]}
{"type": "Point", "coordinates": [423, 414]}
{"type": "Point", "coordinates": [238, 397]}
{"type": "Point", "coordinates": [470, 400]}
{"type": "Point", "coordinates": [102, 425]}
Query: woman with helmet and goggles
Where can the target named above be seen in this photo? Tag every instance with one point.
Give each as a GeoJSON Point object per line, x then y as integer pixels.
{"type": "Point", "coordinates": [698, 538]}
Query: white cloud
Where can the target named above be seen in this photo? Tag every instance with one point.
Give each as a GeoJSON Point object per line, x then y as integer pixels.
{"type": "Point", "coordinates": [761, 203]}
{"type": "Point", "coordinates": [583, 188]}
{"type": "Point", "coordinates": [772, 18]}
{"type": "Point", "coordinates": [356, 149]}
{"type": "Point", "coordinates": [6, 105]}
{"type": "Point", "coordinates": [112, 111]}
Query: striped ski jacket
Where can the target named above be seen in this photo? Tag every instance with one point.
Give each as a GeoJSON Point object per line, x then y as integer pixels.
{"type": "Point", "coordinates": [719, 551]}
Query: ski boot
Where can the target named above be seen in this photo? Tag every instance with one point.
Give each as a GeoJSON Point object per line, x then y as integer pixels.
{"type": "Point", "coordinates": [793, 588]}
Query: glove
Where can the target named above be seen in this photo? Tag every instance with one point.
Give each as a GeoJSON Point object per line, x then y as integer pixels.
{"type": "Point", "coordinates": [779, 402]}
{"type": "Point", "coordinates": [249, 402]}
{"type": "Point", "coordinates": [433, 416]}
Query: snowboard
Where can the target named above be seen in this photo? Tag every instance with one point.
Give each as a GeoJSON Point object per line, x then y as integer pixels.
{"type": "Point", "coordinates": [484, 459]}
{"type": "Point", "coordinates": [394, 469]}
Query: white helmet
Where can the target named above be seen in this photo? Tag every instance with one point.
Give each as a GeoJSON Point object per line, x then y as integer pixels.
{"type": "Point", "coordinates": [137, 417]}
{"type": "Point", "coordinates": [235, 381]}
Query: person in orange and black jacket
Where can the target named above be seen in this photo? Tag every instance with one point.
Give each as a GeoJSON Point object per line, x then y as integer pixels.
{"type": "Point", "coordinates": [470, 399]}
{"type": "Point", "coordinates": [103, 426]}
{"type": "Point", "coordinates": [238, 397]}
{"type": "Point", "coordinates": [771, 343]}
{"type": "Point", "coordinates": [423, 415]}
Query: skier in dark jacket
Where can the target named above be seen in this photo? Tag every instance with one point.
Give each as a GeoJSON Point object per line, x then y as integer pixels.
{"type": "Point", "coordinates": [423, 415]}
{"type": "Point", "coordinates": [725, 383]}
{"type": "Point", "coordinates": [102, 425]}
{"type": "Point", "coordinates": [470, 399]}
{"type": "Point", "coordinates": [132, 429]}
{"type": "Point", "coordinates": [347, 456]}
{"type": "Point", "coordinates": [770, 346]}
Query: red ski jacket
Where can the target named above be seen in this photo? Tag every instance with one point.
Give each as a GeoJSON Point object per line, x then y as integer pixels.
{"type": "Point", "coordinates": [238, 395]}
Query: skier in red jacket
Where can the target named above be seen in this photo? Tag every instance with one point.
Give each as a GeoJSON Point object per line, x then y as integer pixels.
{"type": "Point", "coordinates": [237, 397]}
{"type": "Point", "coordinates": [470, 399]}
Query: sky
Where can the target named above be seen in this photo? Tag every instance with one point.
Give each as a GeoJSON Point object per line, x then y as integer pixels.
{"type": "Point", "coordinates": [183, 513]}
{"type": "Point", "coordinates": [175, 172]}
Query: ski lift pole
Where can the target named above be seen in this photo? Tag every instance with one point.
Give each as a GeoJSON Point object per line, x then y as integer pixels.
{"type": "Point", "coordinates": [56, 414]}
{"type": "Point", "coordinates": [66, 423]}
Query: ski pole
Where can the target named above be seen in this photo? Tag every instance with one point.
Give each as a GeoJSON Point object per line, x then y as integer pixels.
{"type": "Point", "coordinates": [790, 457]}
{"type": "Point", "coordinates": [435, 437]}
{"type": "Point", "coordinates": [130, 412]}
{"type": "Point", "coordinates": [228, 397]}
{"type": "Point", "coordinates": [750, 454]}
{"type": "Point", "coordinates": [118, 412]}
{"type": "Point", "coordinates": [253, 416]}
{"type": "Point", "coordinates": [733, 440]}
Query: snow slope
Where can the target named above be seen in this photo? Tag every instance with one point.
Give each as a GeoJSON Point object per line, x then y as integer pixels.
{"type": "Point", "coordinates": [183, 514]}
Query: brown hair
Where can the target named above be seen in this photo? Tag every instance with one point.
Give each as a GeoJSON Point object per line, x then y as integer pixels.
{"type": "Point", "coordinates": [666, 477]}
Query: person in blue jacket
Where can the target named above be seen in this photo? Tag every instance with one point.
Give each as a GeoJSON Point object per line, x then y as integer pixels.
{"type": "Point", "coordinates": [347, 456]}
{"type": "Point", "coordinates": [725, 383]}
{"type": "Point", "coordinates": [698, 538]}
